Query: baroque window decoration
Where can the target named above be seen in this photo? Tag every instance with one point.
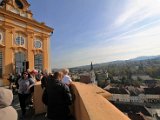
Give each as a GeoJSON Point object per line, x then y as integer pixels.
{"type": "Point", "coordinates": [37, 44]}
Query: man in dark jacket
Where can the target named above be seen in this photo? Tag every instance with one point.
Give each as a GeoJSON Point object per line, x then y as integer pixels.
{"type": "Point", "coordinates": [59, 98]}
{"type": "Point", "coordinates": [44, 80]}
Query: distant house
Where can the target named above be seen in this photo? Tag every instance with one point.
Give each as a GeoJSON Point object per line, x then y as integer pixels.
{"type": "Point", "coordinates": [134, 95]}
{"type": "Point", "coordinates": [134, 112]}
{"type": "Point", "coordinates": [85, 78]}
{"type": "Point", "coordinates": [136, 116]}
{"type": "Point", "coordinates": [152, 83]}
{"type": "Point", "coordinates": [88, 77]}
{"type": "Point", "coordinates": [143, 77]}
{"type": "Point", "coordinates": [118, 77]}
{"type": "Point", "coordinates": [152, 95]}
{"type": "Point", "coordinates": [119, 95]}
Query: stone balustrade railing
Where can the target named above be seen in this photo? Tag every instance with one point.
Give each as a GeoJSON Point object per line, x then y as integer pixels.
{"type": "Point", "coordinates": [90, 103]}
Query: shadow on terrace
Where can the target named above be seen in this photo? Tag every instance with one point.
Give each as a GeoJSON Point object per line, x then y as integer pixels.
{"type": "Point", "coordinates": [90, 104]}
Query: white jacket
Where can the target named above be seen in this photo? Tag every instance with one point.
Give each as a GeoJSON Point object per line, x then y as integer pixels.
{"type": "Point", "coordinates": [7, 112]}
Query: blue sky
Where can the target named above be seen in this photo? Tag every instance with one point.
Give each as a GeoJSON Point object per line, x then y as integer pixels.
{"type": "Point", "coordinates": [99, 30]}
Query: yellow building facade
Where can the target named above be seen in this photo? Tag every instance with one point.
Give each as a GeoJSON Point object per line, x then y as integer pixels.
{"type": "Point", "coordinates": [24, 42]}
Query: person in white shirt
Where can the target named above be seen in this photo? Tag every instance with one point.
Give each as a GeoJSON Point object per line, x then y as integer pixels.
{"type": "Point", "coordinates": [66, 78]}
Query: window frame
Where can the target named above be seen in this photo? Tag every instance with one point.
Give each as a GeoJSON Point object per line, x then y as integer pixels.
{"type": "Point", "coordinates": [20, 57]}
{"type": "Point", "coordinates": [20, 40]}
{"type": "Point", "coordinates": [37, 41]}
{"type": "Point", "coordinates": [38, 61]}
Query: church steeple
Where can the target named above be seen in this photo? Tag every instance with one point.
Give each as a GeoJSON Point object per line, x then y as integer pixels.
{"type": "Point", "coordinates": [91, 66]}
{"type": "Point", "coordinates": [92, 74]}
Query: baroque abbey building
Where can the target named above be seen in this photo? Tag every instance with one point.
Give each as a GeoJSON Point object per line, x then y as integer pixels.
{"type": "Point", "coordinates": [24, 42]}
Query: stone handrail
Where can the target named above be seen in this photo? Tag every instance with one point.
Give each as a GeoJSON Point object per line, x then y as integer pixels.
{"type": "Point", "coordinates": [90, 103]}
{"type": "Point", "coordinates": [37, 99]}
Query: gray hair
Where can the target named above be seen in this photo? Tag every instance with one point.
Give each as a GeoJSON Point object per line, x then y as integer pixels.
{"type": "Point", "coordinates": [65, 71]}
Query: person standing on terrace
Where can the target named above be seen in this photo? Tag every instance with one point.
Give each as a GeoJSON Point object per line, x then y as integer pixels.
{"type": "Point", "coordinates": [11, 80]}
{"type": "Point", "coordinates": [59, 98]}
{"type": "Point", "coordinates": [44, 79]}
{"type": "Point", "coordinates": [66, 78]}
{"type": "Point", "coordinates": [24, 91]}
{"type": "Point", "coordinates": [33, 74]}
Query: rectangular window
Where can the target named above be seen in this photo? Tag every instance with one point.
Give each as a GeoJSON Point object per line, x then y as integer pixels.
{"type": "Point", "coordinates": [38, 65]}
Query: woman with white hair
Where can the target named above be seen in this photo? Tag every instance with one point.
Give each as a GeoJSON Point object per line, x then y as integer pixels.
{"type": "Point", "coordinates": [66, 78]}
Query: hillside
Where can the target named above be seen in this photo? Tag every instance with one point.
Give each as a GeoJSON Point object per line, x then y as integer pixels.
{"type": "Point", "coordinates": [147, 65]}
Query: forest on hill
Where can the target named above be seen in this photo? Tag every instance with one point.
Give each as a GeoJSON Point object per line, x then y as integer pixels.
{"type": "Point", "coordinates": [138, 66]}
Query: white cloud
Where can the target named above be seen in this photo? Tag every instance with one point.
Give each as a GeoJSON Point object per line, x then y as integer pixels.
{"type": "Point", "coordinates": [140, 40]}
{"type": "Point", "coordinates": [138, 10]}
{"type": "Point", "coordinates": [121, 47]}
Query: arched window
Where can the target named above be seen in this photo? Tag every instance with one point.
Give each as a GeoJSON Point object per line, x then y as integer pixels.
{"type": "Point", "coordinates": [19, 59]}
{"type": "Point", "coordinates": [1, 64]}
{"type": "Point", "coordinates": [38, 62]}
{"type": "Point", "coordinates": [20, 39]}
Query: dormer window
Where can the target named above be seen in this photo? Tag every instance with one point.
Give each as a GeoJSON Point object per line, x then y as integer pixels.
{"type": "Point", "coordinates": [37, 44]}
{"type": "Point", "coordinates": [19, 4]}
{"type": "Point", "coordinates": [20, 40]}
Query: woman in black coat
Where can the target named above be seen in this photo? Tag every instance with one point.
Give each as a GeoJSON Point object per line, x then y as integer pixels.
{"type": "Point", "coordinates": [59, 98]}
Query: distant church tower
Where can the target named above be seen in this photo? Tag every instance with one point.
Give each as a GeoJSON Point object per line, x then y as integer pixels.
{"type": "Point", "coordinates": [92, 74]}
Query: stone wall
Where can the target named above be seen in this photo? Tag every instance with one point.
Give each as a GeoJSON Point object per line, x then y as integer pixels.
{"type": "Point", "coordinates": [90, 103]}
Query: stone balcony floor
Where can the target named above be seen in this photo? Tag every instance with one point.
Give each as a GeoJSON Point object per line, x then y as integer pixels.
{"type": "Point", "coordinates": [30, 111]}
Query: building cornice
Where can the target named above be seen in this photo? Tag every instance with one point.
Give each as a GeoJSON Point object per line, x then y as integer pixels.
{"type": "Point", "coordinates": [31, 22]}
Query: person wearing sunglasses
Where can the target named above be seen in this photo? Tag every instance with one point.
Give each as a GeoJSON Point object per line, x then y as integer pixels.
{"type": "Point", "coordinates": [25, 83]}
